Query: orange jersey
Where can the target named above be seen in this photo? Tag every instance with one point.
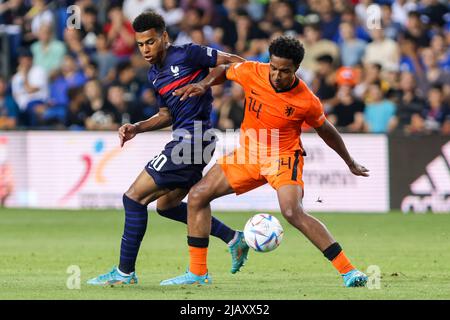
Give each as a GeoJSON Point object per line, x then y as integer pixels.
{"type": "Point", "coordinates": [279, 114]}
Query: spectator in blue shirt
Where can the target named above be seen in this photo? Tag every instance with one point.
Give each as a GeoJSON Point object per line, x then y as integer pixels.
{"type": "Point", "coordinates": [436, 113]}
{"type": "Point", "coordinates": [351, 48]}
{"type": "Point", "coordinates": [8, 108]}
{"type": "Point", "coordinates": [379, 111]}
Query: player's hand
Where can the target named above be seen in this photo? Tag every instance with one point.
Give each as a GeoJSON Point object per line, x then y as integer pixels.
{"type": "Point", "coordinates": [191, 90]}
{"type": "Point", "coordinates": [127, 132]}
{"type": "Point", "coordinates": [357, 169]}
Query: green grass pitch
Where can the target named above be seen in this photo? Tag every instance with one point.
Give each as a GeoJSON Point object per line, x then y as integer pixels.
{"type": "Point", "coordinates": [37, 247]}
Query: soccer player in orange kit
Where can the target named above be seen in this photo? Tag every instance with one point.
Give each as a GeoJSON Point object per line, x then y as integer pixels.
{"type": "Point", "coordinates": [276, 105]}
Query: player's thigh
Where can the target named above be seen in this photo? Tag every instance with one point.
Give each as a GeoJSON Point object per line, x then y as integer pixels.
{"type": "Point", "coordinates": [171, 199]}
{"type": "Point", "coordinates": [144, 189]}
{"type": "Point", "coordinates": [213, 185]}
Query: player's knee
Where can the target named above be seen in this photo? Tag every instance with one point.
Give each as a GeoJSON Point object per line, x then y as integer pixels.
{"type": "Point", "coordinates": [131, 194]}
{"type": "Point", "coordinates": [198, 197]}
{"type": "Point", "coordinates": [293, 214]}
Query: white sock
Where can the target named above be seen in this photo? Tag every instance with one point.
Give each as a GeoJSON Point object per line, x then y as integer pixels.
{"type": "Point", "coordinates": [123, 274]}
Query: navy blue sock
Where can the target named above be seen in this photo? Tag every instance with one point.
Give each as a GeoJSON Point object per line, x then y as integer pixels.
{"type": "Point", "coordinates": [135, 225]}
{"type": "Point", "coordinates": [218, 228]}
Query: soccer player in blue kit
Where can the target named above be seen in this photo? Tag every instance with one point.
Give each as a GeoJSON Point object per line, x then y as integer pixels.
{"type": "Point", "coordinates": [166, 179]}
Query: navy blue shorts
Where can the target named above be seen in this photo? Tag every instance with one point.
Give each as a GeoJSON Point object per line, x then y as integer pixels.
{"type": "Point", "coordinates": [174, 169]}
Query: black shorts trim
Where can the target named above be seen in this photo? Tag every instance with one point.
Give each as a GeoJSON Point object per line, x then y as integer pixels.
{"type": "Point", "coordinates": [294, 170]}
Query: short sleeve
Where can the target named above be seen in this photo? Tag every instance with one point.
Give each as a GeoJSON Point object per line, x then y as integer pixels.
{"type": "Point", "coordinates": [238, 71]}
{"type": "Point", "coordinates": [360, 106]}
{"type": "Point", "coordinates": [159, 100]}
{"type": "Point", "coordinates": [315, 116]}
{"type": "Point", "coordinates": [201, 56]}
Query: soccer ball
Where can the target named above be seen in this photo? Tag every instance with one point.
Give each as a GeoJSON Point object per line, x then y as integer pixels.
{"type": "Point", "coordinates": [263, 232]}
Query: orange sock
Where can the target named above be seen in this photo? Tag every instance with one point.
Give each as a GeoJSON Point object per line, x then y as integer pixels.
{"type": "Point", "coordinates": [198, 260]}
{"type": "Point", "coordinates": [342, 264]}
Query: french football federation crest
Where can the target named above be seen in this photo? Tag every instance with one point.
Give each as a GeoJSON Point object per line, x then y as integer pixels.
{"type": "Point", "coordinates": [175, 70]}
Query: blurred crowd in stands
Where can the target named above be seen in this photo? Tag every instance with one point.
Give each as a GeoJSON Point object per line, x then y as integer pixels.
{"type": "Point", "coordinates": [378, 66]}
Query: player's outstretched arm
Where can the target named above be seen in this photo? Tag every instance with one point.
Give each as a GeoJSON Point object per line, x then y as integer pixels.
{"type": "Point", "coordinates": [215, 77]}
{"type": "Point", "coordinates": [160, 120]}
{"type": "Point", "coordinates": [227, 58]}
{"type": "Point", "coordinates": [333, 139]}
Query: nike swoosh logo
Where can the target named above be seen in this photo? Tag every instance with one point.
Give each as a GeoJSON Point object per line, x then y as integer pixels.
{"type": "Point", "coordinates": [254, 92]}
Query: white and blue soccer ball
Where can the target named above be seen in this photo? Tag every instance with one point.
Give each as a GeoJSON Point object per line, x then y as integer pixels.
{"type": "Point", "coordinates": [263, 232]}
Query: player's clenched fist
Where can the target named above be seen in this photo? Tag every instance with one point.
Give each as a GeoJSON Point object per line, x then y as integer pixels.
{"type": "Point", "coordinates": [127, 132]}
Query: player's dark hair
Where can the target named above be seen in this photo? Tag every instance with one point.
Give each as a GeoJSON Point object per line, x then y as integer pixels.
{"type": "Point", "coordinates": [288, 48]}
{"type": "Point", "coordinates": [149, 20]}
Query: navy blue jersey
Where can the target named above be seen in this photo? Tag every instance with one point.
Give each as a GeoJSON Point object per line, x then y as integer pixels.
{"type": "Point", "coordinates": [183, 65]}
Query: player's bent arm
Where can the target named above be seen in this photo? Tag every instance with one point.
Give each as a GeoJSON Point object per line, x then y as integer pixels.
{"type": "Point", "coordinates": [215, 77]}
{"type": "Point", "coordinates": [333, 139]}
{"type": "Point", "coordinates": [160, 120]}
{"type": "Point", "coordinates": [227, 58]}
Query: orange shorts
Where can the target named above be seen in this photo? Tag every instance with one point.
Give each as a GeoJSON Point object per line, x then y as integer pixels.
{"type": "Point", "coordinates": [243, 175]}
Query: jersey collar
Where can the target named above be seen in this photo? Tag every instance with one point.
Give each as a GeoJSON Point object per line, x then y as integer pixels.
{"type": "Point", "coordinates": [296, 81]}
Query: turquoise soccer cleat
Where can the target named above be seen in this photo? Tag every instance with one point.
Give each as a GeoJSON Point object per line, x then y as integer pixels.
{"type": "Point", "coordinates": [354, 278]}
{"type": "Point", "coordinates": [113, 278]}
{"type": "Point", "coordinates": [239, 252]}
{"type": "Point", "coordinates": [187, 278]}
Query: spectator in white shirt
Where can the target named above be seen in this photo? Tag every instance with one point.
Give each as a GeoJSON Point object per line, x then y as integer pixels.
{"type": "Point", "coordinates": [382, 50]}
{"type": "Point", "coordinates": [29, 86]}
{"type": "Point", "coordinates": [133, 8]}
{"type": "Point", "coordinates": [400, 10]}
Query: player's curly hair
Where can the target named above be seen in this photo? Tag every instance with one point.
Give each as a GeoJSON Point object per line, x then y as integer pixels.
{"type": "Point", "coordinates": [149, 20]}
{"type": "Point", "coordinates": [288, 48]}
